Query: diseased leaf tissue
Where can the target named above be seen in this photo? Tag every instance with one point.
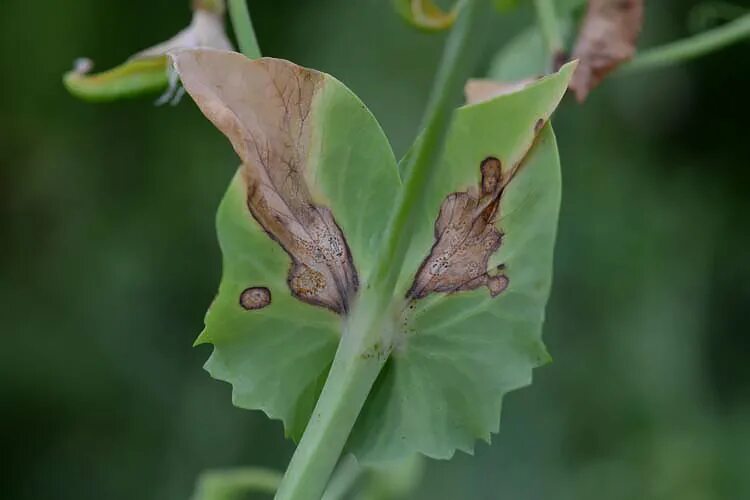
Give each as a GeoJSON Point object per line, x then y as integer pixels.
{"type": "Point", "coordinates": [301, 225]}
{"type": "Point", "coordinates": [263, 107]}
{"type": "Point", "coordinates": [466, 237]}
{"type": "Point", "coordinates": [256, 297]}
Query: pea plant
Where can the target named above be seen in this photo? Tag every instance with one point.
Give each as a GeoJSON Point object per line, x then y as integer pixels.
{"type": "Point", "coordinates": [381, 308]}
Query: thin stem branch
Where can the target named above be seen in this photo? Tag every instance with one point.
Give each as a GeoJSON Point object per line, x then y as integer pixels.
{"type": "Point", "coordinates": [243, 28]}
{"type": "Point", "coordinates": [692, 47]}
{"type": "Point", "coordinates": [348, 384]}
{"type": "Point", "coordinates": [364, 346]}
{"type": "Point", "coordinates": [417, 166]}
{"type": "Point", "coordinates": [548, 25]}
{"type": "Point", "coordinates": [343, 480]}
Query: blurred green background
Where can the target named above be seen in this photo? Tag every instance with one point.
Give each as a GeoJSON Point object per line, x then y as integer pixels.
{"type": "Point", "coordinates": [109, 260]}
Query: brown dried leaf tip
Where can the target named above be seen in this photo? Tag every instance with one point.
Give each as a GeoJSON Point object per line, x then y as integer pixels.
{"type": "Point", "coordinates": [607, 38]}
{"type": "Point", "coordinates": [264, 108]}
{"type": "Point", "coordinates": [465, 238]}
{"type": "Point", "coordinates": [479, 90]}
{"type": "Point", "coordinates": [256, 297]}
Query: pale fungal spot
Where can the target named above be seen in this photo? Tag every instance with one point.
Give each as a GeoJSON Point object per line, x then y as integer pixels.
{"type": "Point", "coordinates": [497, 284]}
{"type": "Point", "coordinates": [256, 297]}
{"type": "Point", "coordinates": [83, 65]}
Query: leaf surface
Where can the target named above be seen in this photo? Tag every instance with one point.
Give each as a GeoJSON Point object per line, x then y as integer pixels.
{"type": "Point", "coordinates": [459, 351]}
{"type": "Point", "coordinates": [310, 204]}
{"type": "Point", "coordinates": [315, 167]}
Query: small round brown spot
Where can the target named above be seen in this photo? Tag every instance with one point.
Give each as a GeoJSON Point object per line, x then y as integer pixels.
{"type": "Point", "coordinates": [256, 297]}
{"type": "Point", "coordinates": [491, 169]}
{"type": "Point", "coordinates": [497, 284]}
{"type": "Point", "coordinates": [538, 125]}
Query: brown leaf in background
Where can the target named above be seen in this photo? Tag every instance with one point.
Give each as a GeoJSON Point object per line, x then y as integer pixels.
{"type": "Point", "coordinates": [607, 39]}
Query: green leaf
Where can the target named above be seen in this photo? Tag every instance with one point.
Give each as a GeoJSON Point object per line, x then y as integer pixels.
{"type": "Point", "coordinates": [277, 357]}
{"type": "Point", "coordinates": [318, 175]}
{"type": "Point", "coordinates": [459, 353]}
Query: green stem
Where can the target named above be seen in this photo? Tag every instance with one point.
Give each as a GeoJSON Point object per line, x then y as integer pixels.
{"type": "Point", "coordinates": [548, 25]}
{"type": "Point", "coordinates": [343, 480]}
{"type": "Point", "coordinates": [231, 483]}
{"type": "Point", "coordinates": [364, 346]}
{"type": "Point", "coordinates": [355, 367]}
{"type": "Point", "coordinates": [692, 47]}
{"type": "Point", "coordinates": [454, 70]}
{"type": "Point", "coordinates": [243, 28]}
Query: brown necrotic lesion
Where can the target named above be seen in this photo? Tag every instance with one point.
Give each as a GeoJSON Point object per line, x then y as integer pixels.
{"type": "Point", "coordinates": [322, 272]}
{"type": "Point", "coordinates": [256, 297]}
{"type": "Point", "coordinates": [465, 237]}
{"type": "Point", "coordinates": [264, 107]}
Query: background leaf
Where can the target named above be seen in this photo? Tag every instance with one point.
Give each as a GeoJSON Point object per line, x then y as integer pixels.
{"type": "Point", "coordinates": [524, 56]}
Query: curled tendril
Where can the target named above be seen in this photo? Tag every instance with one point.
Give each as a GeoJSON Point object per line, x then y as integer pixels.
{"type": "Point", "coordinates": [425, 15]}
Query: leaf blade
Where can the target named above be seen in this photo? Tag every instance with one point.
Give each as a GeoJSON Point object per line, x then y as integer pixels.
{"type": "Point", "coordinates": [277, 356]}
{"type": "Point", "coordinates": [459, 353]}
